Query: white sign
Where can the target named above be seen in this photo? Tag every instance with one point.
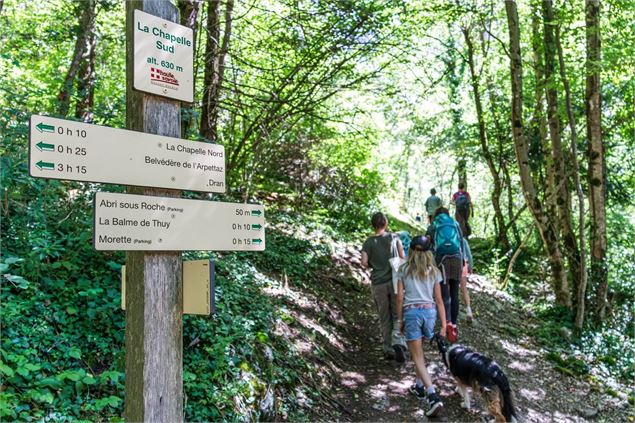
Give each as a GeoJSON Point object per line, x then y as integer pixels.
{"type": "Point", "coordinates": [139, 222]}
{"type": "Point", "coordinates": [163, 57]}
{"type": "Point", "coordinates": [76, 151]}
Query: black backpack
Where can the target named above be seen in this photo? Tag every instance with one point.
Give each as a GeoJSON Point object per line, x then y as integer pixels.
{"type": "Point", "coordinates": [462, 203]}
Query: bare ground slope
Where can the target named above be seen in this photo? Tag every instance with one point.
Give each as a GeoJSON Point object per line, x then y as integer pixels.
{"type": "Point", "coordinates": [371, 389]}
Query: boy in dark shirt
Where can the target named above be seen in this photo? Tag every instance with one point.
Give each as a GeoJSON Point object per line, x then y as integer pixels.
{"type": "Point", "coordinates": [463, 209]}
{"type": "Point", "coordinates": [376, 253]}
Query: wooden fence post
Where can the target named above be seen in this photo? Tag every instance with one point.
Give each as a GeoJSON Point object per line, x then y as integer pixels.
{"type": "Point", "coordinates": [154, 291]}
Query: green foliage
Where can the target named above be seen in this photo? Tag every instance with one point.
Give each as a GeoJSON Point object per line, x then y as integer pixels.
{"type": "Point", "coordinates": [345, 187]}
{"type": "Point", "coordinates": [621, 256]}
{"type": "Point", "coordinates": [290, 256]}
{"type": "Point", "coordinates": [326, 107]}
{"type": "Point", "coordinates": [61, 347]}
{"type": "Point", "coordinates": [607, 350]}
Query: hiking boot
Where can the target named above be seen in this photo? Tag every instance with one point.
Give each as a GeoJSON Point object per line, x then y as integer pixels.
{"type": "Point", "coordinates": [435, 406]}
{"type": "Point", "coordinates": [418, 391]}
{"type": "Point", "coordinates": [400, 353]}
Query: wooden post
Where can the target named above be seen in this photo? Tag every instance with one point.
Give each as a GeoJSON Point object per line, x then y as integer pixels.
{"type": "Point", "coordinates": [154, 291]}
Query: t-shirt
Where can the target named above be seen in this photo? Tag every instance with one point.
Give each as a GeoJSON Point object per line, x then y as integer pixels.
{"type": "Point", "coordinates": [417, 290]}
{"type": "Point", "coordinates": [432, 204]}
{"type": "Point", "coordinates": [379, 251]}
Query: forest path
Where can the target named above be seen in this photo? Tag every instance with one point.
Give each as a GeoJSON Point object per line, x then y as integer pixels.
{"type": "Point", "coordinates": [374, 389]}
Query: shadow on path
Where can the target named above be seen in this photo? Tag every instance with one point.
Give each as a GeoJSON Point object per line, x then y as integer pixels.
{"type": "Point", "coordinates": [373, 389]}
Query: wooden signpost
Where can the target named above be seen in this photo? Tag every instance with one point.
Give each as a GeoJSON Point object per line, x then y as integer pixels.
{"type": "Point", "coordinates": [154, 297]}
{"type": "Point", "coordinates": [152, 224]}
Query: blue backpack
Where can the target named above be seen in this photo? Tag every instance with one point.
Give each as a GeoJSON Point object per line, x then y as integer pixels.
{"type": "Point", "coordinates": [405, 241]}
{"type": "Point", "coordinates": [446, 235]}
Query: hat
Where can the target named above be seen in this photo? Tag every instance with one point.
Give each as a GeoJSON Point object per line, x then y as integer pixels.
{"type": "Point", "coordinates": [420, 243]}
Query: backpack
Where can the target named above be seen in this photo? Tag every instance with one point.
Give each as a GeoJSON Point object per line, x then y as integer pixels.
{"type": "Point", "coordinates": [405, 241]}
{"type": "Point", "coordinates": [446, 235]}
{"type": "Point", "coordinates": [462, 203]}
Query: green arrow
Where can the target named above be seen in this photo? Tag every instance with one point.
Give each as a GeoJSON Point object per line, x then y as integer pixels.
{"type": "Point", "coordinates": [256, 213]}
{"type": "Point", "coordinates": [42, 146]}
{"type": "Point", "coordinates": [45, 165]}
{"type": "Point", "coordinates": [42, 127]}
{"type": "Point", "coordinates": [256, 241]}
{"type": "Point", "coordinates": [256, 227]}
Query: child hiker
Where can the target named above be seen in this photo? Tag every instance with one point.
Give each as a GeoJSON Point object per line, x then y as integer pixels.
{"type": "Point", "coordinates": [418, 302]}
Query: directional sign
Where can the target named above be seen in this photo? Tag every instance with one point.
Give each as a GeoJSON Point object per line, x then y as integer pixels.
{"type": "Point", "coordinates": [76, 151]}
{"type": "Point", "coordinates": [163, 57]}
{"type": "Point", "coordinates": [138, 222]}
{"type": "Point", "coordinates": [198, 287]}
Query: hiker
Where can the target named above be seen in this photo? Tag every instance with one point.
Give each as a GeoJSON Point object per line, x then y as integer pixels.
{"type": "Point", "coordinates": [418, 218]}
{"type": "Point", "coordinates": [418, 302]}
{"type": "Point", "coordinates": [432, 204]}
{"type": "Point", "coordinates": [463, 209]}
{"type": "Point", "coordinates": [467, 270]}
{"type": "Point", "coordinates": [376, 253]}
{"type": "Point", "coordinates": [447, 239]}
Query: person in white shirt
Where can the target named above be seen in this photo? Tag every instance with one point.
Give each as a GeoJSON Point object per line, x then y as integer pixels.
{"type": "Point", "coordinates": [418, 302]}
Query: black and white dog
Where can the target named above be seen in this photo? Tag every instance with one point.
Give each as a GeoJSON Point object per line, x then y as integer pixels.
{"type": "Point", "coordinates": [471, 369]}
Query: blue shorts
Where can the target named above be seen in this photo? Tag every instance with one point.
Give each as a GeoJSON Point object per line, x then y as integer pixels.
{"type": "Point", "coordinates": [419, 322]}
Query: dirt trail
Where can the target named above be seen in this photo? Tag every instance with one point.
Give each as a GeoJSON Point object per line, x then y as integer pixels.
{"type": "Point", "coordinates": [373, 389]}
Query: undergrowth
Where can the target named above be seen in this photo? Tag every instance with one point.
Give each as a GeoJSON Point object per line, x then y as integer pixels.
{"type": "Point", "coordinates": [63, 339]}
{"type": "Point", "coordinates": [599, 351]}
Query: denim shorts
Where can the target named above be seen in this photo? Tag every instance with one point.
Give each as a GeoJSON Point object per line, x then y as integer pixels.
{"type": "Point", "coordinates": [419, 322]}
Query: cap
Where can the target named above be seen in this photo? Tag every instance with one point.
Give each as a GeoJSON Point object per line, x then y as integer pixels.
{"type": "Point", "coordinates": [420, 243]}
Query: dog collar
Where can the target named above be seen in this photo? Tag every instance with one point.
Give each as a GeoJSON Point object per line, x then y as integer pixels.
{"type": "Point", "coordinates": [446, 355]}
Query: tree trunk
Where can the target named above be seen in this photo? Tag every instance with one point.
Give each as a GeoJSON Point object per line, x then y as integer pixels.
{"type": "Point", "coordinates": [154, 283]}
{"type": "Point", "coordinates": [454, 70]}
{"type": "Point", "coordinates": [86, 30]}
{"type": "Point", "coordinates": [580, 298]}
{"type": "Point", "coordinates": [502, 141]}
{"type": "Point", "coordinates": [539, 120]}
{"type": "Point", "coordinates": [547, 233]}
{"type": "Point", "coordinates": [595, 155]}
{"type": "Point", "coordinates": [86, 78]}
{"type": "Point", "coordinates": [407, 190]}
{"type": "Point", "coordinates": [214, 67]}
{"type": "Point", "coordinates": [539, 127]}
{"type": "Point", "coordinates": [461, 169]}
{"type": "Point", "coordinates": [510, 204]}
{"type": "Point", "coordinates": [563, 198]}
{"type": "Point", "coordinates": [501, 236]}
{"type": "Point", "coordinates": [188, 12]}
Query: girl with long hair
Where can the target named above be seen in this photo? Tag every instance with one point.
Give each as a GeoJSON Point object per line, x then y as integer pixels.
{"type": "Point", "coordinates": [418, 302]}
